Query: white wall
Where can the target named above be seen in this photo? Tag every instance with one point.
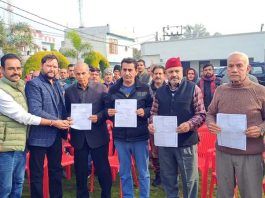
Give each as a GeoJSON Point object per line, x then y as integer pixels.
{"type": "Point", "coordinates": [210, 48]}
{"type": "Point", "coordinates": [122, 52]}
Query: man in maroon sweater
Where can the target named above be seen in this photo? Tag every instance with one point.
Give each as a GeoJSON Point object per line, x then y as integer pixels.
{"type": "Point", "coordinates": [240, 96]}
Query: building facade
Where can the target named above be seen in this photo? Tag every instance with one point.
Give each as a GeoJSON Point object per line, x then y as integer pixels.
{"type": "Point", "coordinates": [198, 51]}
{"type": "Point", "coordinates": [113, 46]}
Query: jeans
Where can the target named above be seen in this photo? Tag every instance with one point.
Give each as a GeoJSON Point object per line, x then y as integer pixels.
{"type": "Point", "coordinates": [12, 171]}
{"type": "Point", "coordinates": [185, 160]}
{"type": "Point", "coordinates": [139, 151]}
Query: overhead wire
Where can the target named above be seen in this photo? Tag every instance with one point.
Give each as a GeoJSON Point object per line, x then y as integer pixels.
{"type": "Point", "coordinates": [90, 39]}
{"type": "Point", "coordinates": [83, 33]}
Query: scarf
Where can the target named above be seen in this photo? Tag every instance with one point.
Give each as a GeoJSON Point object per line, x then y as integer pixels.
{"type": "Point", "coordinates": [213, 85]}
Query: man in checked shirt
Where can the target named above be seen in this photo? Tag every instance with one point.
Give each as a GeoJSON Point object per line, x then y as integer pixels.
{"type": "Point", "coordinates": [183, 99]}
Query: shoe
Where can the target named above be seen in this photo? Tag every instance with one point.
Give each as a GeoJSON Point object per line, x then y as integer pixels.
{"type": "Point", "coordinates": [157, 181]}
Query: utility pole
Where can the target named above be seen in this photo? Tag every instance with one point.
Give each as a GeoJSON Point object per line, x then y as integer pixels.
{"type": "Point", "coordinates": [261, 27]}
{"type": "Point", "coordinates": [80, 6]}
{"type": "Point", "coordinates": [170, 31]}
{"type": "Point", "coordinates": [9, 14]}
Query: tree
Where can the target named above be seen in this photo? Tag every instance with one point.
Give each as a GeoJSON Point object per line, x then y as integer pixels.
{"type": "Point", "coordinates": [3, 34]}
{"type": "Point", "coordinates": [34, 62]}
{"type": "Point", "coordinates": [196, 31]}
{"type": "Point", "coordinates": [97, 60]}
{"type": "Point", "coordinates": [21, 35]}
{"type": "Point", "coordinates": [80, 49]}
{"type": "Point", "coordinates": [136, 53]}
{"type": "Point", "coordinates": [217, 34]}
{"type": "Point", "coordinates": [16, 38]}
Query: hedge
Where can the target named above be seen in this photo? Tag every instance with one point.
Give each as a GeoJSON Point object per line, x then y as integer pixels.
{"type": "Point", "coordinates": [34, 62]}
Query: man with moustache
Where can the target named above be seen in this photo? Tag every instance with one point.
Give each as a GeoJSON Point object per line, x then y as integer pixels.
{"type": "Point", "coordinates": [143, 75]}
{"type": "Point", "coordinates": [240, 96]}
{"type": "Point", "coordinates": [14, 118]}
{"type": "Point", "coordinates": [71, 76]}
{"type": "Point", "coordinates": [208, 83]}
{"type": "Point", "coordinates": [45, 99]}
{"type": "Point", "coordinates": [183, 99]}
{"type": "Point", "coordinates": [132, 142]}
{"type": "Point", "coordinates": [94, 141]}
{"type": "Point", "coordinates": [116, 73]}
{"type": "Point", "coordinates": [95, 75]}
{"type": "Point", "coordinates": [63, 77]}
{"type": "Point", "coordinates": [158, 76]}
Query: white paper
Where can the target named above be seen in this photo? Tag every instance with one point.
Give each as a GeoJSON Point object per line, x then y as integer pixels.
{"type": "Point", "coordinates": [80, 114]}
{"type": "Point", "coordinates": [126, 113]}
{"type": "Point", "coordinates": [233, 127]}
{"type": "Point", "coordinates": [165, 131]}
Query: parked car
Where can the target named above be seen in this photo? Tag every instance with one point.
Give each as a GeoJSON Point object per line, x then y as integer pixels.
{"type": "Point", "coordinates": [220, 71]}
{"type": "Point", "coordinates": [257, 70]}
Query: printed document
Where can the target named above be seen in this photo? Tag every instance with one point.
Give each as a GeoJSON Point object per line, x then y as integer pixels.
{"type": "Point", "coordinates": [165, 131]}
{"type": "Point", "coordinates": [80, 114]}
{"type": "Point", "coordinates": [233, 127]}
{"type": "Point", "coordinates": [126, 113]}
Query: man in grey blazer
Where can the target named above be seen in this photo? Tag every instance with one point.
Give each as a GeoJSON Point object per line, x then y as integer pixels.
{"type": "Point", "coordinates": [45, 99]}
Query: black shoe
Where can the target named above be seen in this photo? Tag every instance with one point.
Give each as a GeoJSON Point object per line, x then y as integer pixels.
{"type": "Point", "coordinates": [157, 181]}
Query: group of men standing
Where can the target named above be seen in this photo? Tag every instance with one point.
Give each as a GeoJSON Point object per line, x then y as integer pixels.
{"type": "Point", "coordinates": [47, 108]}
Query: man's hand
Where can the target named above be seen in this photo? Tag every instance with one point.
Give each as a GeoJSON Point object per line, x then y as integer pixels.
{"type": "Point", "coordinates": [93, 118]}
{"type": "Point", "coordinates": [70, 120]}
{"type": "Point", "coordinates": [253, 132]}
{"type": "Point", "coordinates": [140, 112]}
{"type": "Point", "coordinates": [111, 112]}
{"type": "Point", "coordinates": [151, 128]}
{"type": "Point", "coordinates": [61, 124]}
{"type": "Point", "coordinates": [183, 128]}
{"type": "Point", "coordinates": [213, 128]}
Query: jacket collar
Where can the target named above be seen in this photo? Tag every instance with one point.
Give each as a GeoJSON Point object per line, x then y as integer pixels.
{"type": "Point", "coordinates": [119, 83]}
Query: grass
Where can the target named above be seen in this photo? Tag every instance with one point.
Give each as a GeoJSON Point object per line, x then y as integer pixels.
{"type": "Point", "coordinates": [69, 189]}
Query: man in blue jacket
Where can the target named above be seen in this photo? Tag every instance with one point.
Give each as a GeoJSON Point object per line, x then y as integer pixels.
{"type": "Point", "coordinates": [132, 142]}
{"type": "Point", "coordinates": [45, 99]}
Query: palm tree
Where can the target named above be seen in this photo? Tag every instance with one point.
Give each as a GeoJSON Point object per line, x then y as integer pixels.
{"type": "Point", "coordinates": [79, 50]}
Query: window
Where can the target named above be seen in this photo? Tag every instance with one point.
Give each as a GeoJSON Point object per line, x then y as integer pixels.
{"type": "Point", "coordinates": [185, 65]}
{"type": "Point", "coordinates": [113, 46]}
{"type": "Point", "coordinates": [223, 62]}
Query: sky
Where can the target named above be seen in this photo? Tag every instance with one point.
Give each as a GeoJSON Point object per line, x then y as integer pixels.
{"type": "Point", "coordinates": [142, 18]}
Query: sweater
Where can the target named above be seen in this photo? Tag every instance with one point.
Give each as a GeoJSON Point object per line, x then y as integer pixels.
{"type": "Point", "coordinates": [247, 98]}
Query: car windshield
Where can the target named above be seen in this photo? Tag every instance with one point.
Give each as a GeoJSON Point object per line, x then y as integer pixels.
{"type": "Point", "coordinates": [219, 70]}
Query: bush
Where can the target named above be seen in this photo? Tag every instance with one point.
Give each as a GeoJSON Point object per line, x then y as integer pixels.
{"type": "Point", "coordinates": [34, 62]}
{"type": "Point", "coordinates": [97, 60]}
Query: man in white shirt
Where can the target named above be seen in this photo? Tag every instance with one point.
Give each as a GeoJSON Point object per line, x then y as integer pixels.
{"type": "Point", "coordinates": [13, 130]}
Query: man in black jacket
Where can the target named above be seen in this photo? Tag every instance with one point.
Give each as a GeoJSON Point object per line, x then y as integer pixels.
{"type": "Point", "coordinates": [94, 141]}
{"type": "Point", "coordinates": [132, 142]}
